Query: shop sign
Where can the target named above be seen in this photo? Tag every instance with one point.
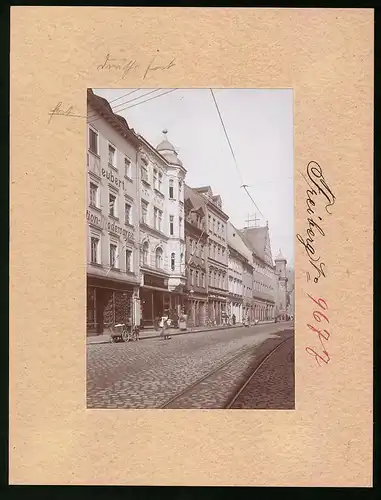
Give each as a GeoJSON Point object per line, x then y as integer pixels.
{"type": "Point", "coordinates": [94, 219]}
{"type": "Point", "coordinates": [112, 178]}
{"type": "Point", "coordinates": [156, 281]}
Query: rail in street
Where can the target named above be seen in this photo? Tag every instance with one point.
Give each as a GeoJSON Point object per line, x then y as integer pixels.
{"type": "Point", "coordinates": [189, 371]}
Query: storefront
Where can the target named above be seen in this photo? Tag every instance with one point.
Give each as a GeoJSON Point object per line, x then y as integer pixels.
{"type": "Point", "coordinates": [157, 299]}
{"type": "Point", "coordinates": [196, 310]}
{"type": "Point", "coordinates": [108, 303]}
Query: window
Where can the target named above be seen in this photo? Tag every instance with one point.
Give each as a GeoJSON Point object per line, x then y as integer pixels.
{"type": "Point", "coordinates": [111, 155]}
{"type": "Point", "coordinates": [155, 179]}
{"type": "Point", "coordinates": [159, 258]}
{"type": "Point", "coordinates": [160, 181]}
{"type": "Point", "coordinates": [218, 227]}
{"type": "Point", "coordinates": [94, 245]}
{"type": "Point", "coordinates": [128, 260]}
{"type": "Point", "coordinates": [210, 223]}
{"type": "Point", "coordinates": [197, 278]}
{"type": "Point", "coordinates": [214, 250]}
{"type": "Point", "coordinates": [113, 255]}
{"type": "Point", "coordinates": [112, 204]}
{"type": "Point", "coordinates": [127, 168]}
{"type": "Point", "coordinates": [181, 227]}
{"type": "Point", "coordinates": [127, 213]}
{"type": "Point", "coordinates": [171, 193]}
{"type": "Point", "coordinates": [93, 141]}
{"type": "Point", "coordinates": [173, 261]}
{"type": "Point", "coordinates": [144, 212]}
{"type": "Point", "coordinates": [144, 172]}
{"type": "Point", "coordinates": [191, 276]}
{"type": "Point", "coordinates": [219, 250]}
{"type": "Point", "coordinates": [157, 218]}
{"type": "Point", "coordinates": [145, 253]}
{"type": "Point", "coordinates": [203, 280]}
{"type": "Point", "coordinates": [171, 218]}
{"type": "Point", "coordinates": [210, 277]}
{"type": "Point", "coordinates": [202, 251]}
{"type": "Point", "coordinates": [180, 189]}
{"type": "Point", "coordinates": [93, 195]}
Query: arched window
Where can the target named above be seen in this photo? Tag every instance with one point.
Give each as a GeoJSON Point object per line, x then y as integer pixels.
{"type": "Point", "coordinates": [171, 190]}
{"type": "Point", "coordinates": [159, 258]}
{"type": "Point", "coordinates": [173, 257]}
{"type": "Point", "coordinates": [144, 255]}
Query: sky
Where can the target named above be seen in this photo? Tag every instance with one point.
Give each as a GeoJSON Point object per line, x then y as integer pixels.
{"type": "Point", "coordinates": [259, 124]}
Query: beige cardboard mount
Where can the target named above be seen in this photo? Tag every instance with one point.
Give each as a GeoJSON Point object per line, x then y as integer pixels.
{"type": "Point", "coordinates": [326, 57]}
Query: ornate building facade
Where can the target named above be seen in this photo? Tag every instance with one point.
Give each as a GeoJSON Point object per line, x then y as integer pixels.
{"type": "Point", "coordinates": [112, 215]}
{"type": "Point", "coordinates": [196, 238]}
{"type": "Point", "coordinates": [240, 276]}
{"type": "Point", "coordinates": [282, 295]}
{"type": "Point", "coordinates": [217, 255]}
{"type": "Point", "coordinates": [162, 246]}
{"type": "Point", "coordinates": [264, 294]}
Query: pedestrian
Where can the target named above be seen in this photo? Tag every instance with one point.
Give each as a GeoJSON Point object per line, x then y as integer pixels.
{"type": "Point", "coordinates": [233, 318]}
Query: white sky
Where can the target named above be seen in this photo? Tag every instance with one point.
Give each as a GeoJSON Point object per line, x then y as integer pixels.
{"type": "Point", "coordinates": [259, 123]}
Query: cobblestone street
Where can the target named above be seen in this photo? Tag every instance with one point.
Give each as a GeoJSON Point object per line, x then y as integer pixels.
{"type": "Point", "coordinates": [149, 373]}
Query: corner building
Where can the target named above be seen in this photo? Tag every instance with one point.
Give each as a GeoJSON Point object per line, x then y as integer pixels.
{"type": "Point", "coordinates": [112, 216]}
{"type": "Point", "coordinates": [162, 246]}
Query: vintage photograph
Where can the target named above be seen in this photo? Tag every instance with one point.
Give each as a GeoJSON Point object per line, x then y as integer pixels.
{"type": "Point", "coordinates": [190, 251]}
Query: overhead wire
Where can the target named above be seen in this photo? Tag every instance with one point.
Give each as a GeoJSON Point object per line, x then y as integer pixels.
{"type": "Point", "coordinates": [244, 186]}
{"type": "Point", "coordinates": [114, 110]}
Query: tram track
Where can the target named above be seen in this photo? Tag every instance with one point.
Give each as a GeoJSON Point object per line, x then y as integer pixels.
{"type": "Point", "coordinates": [214, 389]}
{"type": "Point", "coordinates": [255, 372]}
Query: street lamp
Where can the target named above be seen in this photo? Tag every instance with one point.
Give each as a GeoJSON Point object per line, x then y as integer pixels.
{"type": "Point", "coordinates": [191, 292]}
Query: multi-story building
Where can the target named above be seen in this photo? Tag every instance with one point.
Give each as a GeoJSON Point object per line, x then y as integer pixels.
{"type": "Point", "coordinates": [264, 293]}
{"type": "Point", "coordinates": [282, 297]}
{"type": "Point", "coordinates": [162, 245]}
{"type": "Point", "coordinates": [217, 255]}
{"type": "Point", "coordinates": [240, 276]}
{"type": "Point", "coordinates": [196, 238]}
{"type": "Point", "coordinates": [291, 291]}
{"type": "Point", "coordinates": [112, 218]}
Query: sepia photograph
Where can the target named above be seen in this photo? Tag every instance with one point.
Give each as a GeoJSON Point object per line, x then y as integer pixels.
{"type": "Point", "coordinates": [190, 249]}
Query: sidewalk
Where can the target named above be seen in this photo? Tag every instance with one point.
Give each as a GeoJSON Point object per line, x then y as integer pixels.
{"type": "Point", "coordinates": [151, 333]}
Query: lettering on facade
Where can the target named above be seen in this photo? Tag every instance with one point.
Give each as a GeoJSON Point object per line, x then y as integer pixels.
{"type": "Point", "coordinates": [103, 223]}
{"type": "Point", "coordinates": [112, 178]}
{"type": "Point", "coordinates": [156, 281]}
{"type": "Point", "coordinates": [94, 219]}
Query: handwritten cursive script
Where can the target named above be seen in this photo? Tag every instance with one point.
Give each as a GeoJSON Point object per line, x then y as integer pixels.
{"type": "Point", "coordinates": [127, 66]}
{"type": "Point", "coordinates": [317, 187]}
{"type": "Point", "coordinates": [58, 111]}
{"type": "Point", "coordinates": [321, 356]}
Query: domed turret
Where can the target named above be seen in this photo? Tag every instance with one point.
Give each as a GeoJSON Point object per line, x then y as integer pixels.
{"type": "Point", "coordinates": [280, 258]}
{"type": "Point", "coordinates": [168, 150]}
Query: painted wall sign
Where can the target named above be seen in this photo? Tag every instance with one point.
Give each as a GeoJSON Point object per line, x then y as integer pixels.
{"type": "Point", "coordinates": [112, 178]}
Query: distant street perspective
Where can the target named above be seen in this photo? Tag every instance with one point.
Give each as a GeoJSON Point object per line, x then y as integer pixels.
{"type": "Point", "coordinates": [190, 256]}
{"type": "Point", "coordinates": [237, 367]}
